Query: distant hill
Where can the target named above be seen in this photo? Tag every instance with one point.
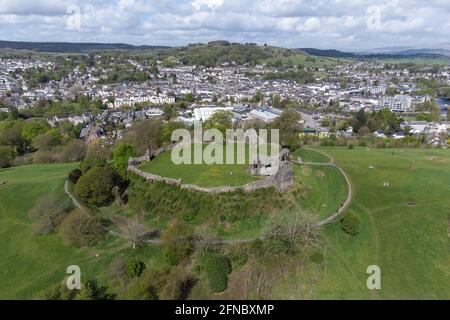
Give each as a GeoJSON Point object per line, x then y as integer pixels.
{"type": "Point", "coordinates": [66, 47]}
{"type": "Point", "coordinates": [408, 51]}
{"type": "Point", "coordinates": [381, 54]}
{"type": "Point", "coordinates": [328, 53]}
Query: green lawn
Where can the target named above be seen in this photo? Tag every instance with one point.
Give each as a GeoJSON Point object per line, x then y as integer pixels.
{"type": "Point", "coordinates": [30, 263]}
{"type": "Point", "coordinates": [326, 186]}
{"type": "Point", "coordinates": [404, 228]}
{"type": "Point", "coordinates": [203, 175]}
{"type": "Point", "coordinates": [308, 155]}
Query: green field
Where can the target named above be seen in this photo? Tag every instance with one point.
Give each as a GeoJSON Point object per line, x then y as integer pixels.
{"type": "Point", "coordinates": [308, 155]}
{"type": "Point", "coordinates": [404, 229]}
{"type": "Point", "coordinates": [203, 175]}
{"type": "Point", "coordinates": [30, 263]}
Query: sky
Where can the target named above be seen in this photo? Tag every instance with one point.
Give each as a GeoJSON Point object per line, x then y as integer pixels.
{"type": "Point", "coordinates": [351, 25]}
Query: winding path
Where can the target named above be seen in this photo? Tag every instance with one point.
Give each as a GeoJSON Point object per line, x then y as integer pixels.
{"type": "Point", "coordinates": [326, 221]}
{"type": "Point", "coordinates": [347, 201]}
{"type": "Point", "coordinates": [71, 196]}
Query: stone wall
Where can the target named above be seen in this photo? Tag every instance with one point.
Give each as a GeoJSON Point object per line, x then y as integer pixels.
{"type": "Point", "coordinates": [278, 181]}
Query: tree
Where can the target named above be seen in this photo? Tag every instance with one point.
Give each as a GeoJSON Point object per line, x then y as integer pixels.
{"type": "Point", "coordinates": [435, 114]}
{"type": "Point", "coordinates": [132, 229]}
{"type": "Point", "coordinates": [220, 120]}
{"type": "Point", "coordinates": [90, 290]}
{"type": "Point", "coordinates": [206, 238]}
{"type": "Point", "coordinates": [73, 151]}
{"type": "Point", "coordinates": [170, 111]}
{"type": "Point", "coordinates": [189, 97]}
{"type": "Point", "coordinates": [342, 125]}
{"type": "Point", "coordinates": [12, 136]}
{"type": "Point", "coordinates": [7, 155]}
{"type": "Point", "coordinates": [145, 287]}
{"type": "Point", "coordinates": [289, 126]}
{"type": "Point", "coordinates": [118, 270]}
{"type": "Point", "coordinates": [58, 291]}
{"type": "Point", "coordinates": [45, 212]}
{"type": "Point", "coordinates": [144, 135]}
{"type": "Point", "coordinates": [276, 100]}
{"type": "Point", "coordinates": [122, 152]}
{"type": "Point", "coordinates": [178, 285]}
{"type": "Point", "coordinates": [75, 175]}
{"type": "Point", "coordinates": [177, 242]}
{"type": "Point", "coordinates": [326, 122]}
{"type": "Point", "coordinates": [97, 155]}
{"type": "Point", "coordinates": [216, 268]}
{"type": "Point", "coordinates": [292, 231]}
{"type": "Point", "coordinates": [45, 141]}
{"type": "Point", "coordinates": [135, 268]}
{"type": "Point", "coordinates": [96, 185]}
{"type": "Point", "coordinates": [82, 230]}
{"type": "Point", "coordinates": [34, 128]}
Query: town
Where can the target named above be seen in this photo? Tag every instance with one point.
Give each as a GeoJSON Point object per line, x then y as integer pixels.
{"type": "Point", "coordinates": [325, 96]}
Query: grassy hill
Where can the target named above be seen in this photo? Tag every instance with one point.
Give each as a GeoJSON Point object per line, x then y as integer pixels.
{"type": "Point", "coordinates": [404, 229]}
{"type": "Point", "coordinates": [30, 263]}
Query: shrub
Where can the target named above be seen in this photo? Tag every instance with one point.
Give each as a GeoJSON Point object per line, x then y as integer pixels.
{"type": "Point", "coordinates": [177, 242]}
{"type": "Point", "coordinates": [216, 268]}
{"type": "Point", "coordinates": [135, 268]}
{"type": "Point", "coordinates": [91, 161]}
{"type": "Point", "coordinates": [178, 286]}
{"type": "Point", "coordinates": [146, 287]}
{"type": "Point", "coordinates": [7, 155]}
{"type": "Point", "coordinates": [82, 230]}
{"type": "Point", "coordinates": [90, 290]}
{"type": "Point", "coordinates": [317, 257]}
{"type": "Point", "coordinates": [75, 175]}
{"type": "Point", "coordinates": [118, 271]}
{"type": "Point", "coordinates": [57, 291]}
{"type": "Point", "coordinates": [95, 186]}
{"type": "Point", "coordinates": [350, 223]}
{"type": "Point", "coordinates": [121, 154]}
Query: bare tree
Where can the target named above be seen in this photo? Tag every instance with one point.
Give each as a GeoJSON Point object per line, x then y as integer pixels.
{"type": "Point", "coordinates": [295, 228]}
{"type": "Point", "coordinates": [132, 229]}
{"type": "Point", "coordinates": [45, 212]}
{"type": "Point", "coordinates": [117, 195]}
{"type": "Point", "coordinates": [206, 238]}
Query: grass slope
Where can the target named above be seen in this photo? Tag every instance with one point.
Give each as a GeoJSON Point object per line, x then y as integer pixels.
{"type": "Point", "coordinates": [404, 228]}
{"type": "Point", "coordinates": [203, 175]}
{"type": "Point", "coordinates": [30, 263]}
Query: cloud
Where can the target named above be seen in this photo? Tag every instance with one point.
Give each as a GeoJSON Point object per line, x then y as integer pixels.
{"type": "Point", "coordinates": [340, 24]}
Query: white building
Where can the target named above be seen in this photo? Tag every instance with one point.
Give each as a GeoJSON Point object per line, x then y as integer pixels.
{"type": "Point", "coordinates": [203, 114]}
{"type": "Point", "coordinates": [266, 114]}
{"type": "Point", "coordinates": [398, 103]}
{"type": "Point", "coordinates": [378, 90]}
{"type": "Point", "coordinates": [131, 100]}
